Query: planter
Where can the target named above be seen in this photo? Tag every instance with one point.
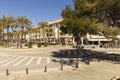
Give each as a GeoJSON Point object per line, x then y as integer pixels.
{"type": "Point", "coordinates": [45, 44]}
{"type": "Point", "coordinates": [34, 46]}
{"type": "Point", "coordinates": [39, 44]}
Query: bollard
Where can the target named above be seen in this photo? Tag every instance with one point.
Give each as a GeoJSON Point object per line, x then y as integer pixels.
{"type": "Point", "coordinates": [27, 72]}
{"type": "Point", "coordinates": [87, 62]}
{"type": "Point", "coordinates": [77, 59]}
{"type": "Point", "coordinates": [61, 64]}
{"type": "Point", "coordinates": [99, 59]}
{"type": "Point", "coordinates": [45, 69]}
{"type": "Point", "coordinates": [115, 57]}
{"type": "Point", "coordinates": [7, 72]}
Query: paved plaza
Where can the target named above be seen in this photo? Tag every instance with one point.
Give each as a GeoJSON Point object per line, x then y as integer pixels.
{"type": "Point", "coordinates": [103, 63]}
{"type": "Point", "coordinates": [94, 71]}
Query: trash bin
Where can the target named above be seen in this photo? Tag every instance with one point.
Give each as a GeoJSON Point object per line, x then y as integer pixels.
{"type": "Point", "coordinates": [74, 46]}
{"type": "Point", "coordinates": [80, 47]}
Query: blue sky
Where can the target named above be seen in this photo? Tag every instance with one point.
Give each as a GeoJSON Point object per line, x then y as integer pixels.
{"type": "Point", "coordinates": [35, 10]}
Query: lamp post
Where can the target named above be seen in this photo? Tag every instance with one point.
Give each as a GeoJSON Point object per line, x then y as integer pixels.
{"type": "Point", "coordinates": [61, 61]}
{"type": "Point", "coordinates": [77, 56]}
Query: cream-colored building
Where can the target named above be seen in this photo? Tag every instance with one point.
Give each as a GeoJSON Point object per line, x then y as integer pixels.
{"type": "Point", "coordinates": [60, 37]}
{"type": "Point", "coordinates": [57, 37]}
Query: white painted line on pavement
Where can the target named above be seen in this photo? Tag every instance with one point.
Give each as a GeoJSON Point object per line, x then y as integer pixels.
{"type": "Point", "coordinates": [1, 54]}
{"type": "Point", "coordinates": [82, 53]}
{"type": "Point", "coordinates": [39, 60]}
{"type": "Point", "coordinates": [29, 52]}
{"type": "Point", "coordinates": [113, 52]}
{"type": "Point", "coordinates": [69, 52]}
{"type": "Point", "coordinates": [30, 61]}
{"type": "Point", "coordinates": [11, 61]}
{"type": "Point", "coordinates": [63, 52]}
{"type": "Point", "coordinates": [48, 60]}
{"type": "Point", "coordinates": [4, 57]}
{"type": "Point", "coordinates": [88, 53]}
{"type": "Point", "coordinates": [7, 59]}
{"type": "Point", "coordinates": [75, 52]}
{"type": "Point", "coordinates": [21, 61]}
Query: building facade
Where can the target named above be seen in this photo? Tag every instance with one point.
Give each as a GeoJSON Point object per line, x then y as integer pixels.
{"type": "Point", "coordinates": [59, 37]}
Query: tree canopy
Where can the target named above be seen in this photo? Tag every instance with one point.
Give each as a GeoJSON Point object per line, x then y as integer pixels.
{"type": "Point", "coordinates": [88, 16]}
{"type": "Point", "coordinates": [80, 19]}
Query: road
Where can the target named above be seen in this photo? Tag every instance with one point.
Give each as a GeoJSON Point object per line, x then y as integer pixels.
{"type": "Point", "coordinates": [17, 60]}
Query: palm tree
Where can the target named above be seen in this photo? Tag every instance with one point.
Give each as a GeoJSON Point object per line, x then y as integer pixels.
{"type": "Point", "coordinates": [1, 30]}
{"type": "Point", "coordinates": [49, 32]}
{"type": "Point", "coordinates": [11, 36]}
{"type": "Point", "coordinates": [7, 20]}
{"type": "Point", "coordinates": [23, 22]}
{"type": "Point", "coordinates": [30, 31]}
{"type": "Point", "coordinates": [36, 30]}
{"type": "Point", "coordinates": [43, 25]}
{"type": "Point", "coordinates": [16, 35]}
{"type": "Point", "coordinates": [2, 24]}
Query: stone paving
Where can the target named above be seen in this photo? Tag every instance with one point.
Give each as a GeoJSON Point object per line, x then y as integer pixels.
{"type": "Point", "coordinates": [95, 71]}
{"type": "Point", "coordinates": [103, 70]}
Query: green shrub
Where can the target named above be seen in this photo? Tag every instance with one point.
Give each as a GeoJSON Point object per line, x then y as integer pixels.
{"type": "Point", "coordinates": [29, 44]}
{"type": "Point", "coordinates": [52, 43]}
{"type": "Point", "coordinates": [39, 44]}
{"type": "Point", "coordinates": [3, 44]}
{"type": "Point", "coordinates": [45, 44]}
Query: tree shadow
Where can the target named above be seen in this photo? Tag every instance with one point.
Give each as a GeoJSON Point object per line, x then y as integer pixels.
{"type": "Point", "coordinates": [69, 56]}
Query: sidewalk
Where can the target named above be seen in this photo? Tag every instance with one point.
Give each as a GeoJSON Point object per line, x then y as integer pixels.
{"type": "Point", "coordinates": [94, 71]}
{"type": "Point", "coordinates": [34, 48]}
{"type": "Point", "coordinates": [56, 46]}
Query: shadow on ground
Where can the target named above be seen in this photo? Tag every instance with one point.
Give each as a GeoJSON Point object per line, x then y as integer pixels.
{"type": "Point", "coordinates": [69, 56]}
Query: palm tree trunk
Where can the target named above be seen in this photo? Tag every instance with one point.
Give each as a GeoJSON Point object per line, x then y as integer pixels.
{"type": "Point", "coordinates": [43, 35]}
{"type": "Point", "coordinates": [36, 38]}
{"type": "Point", "coordinates": [8, 36]}
{"type": "Point", "coordinates": [18, 37]}
{"type": "Point", "coordinates": [0, 38]}
{"type": "Point", "coordinates": [77, 56]}
{"type": "Point", "coordinates": [21, 37]}
{"type": "Point", "coordinates": [3, 34]}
